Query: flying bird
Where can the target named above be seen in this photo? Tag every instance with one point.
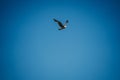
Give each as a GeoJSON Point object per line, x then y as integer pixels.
{"type": "Point", "coordinates": [62, 26]}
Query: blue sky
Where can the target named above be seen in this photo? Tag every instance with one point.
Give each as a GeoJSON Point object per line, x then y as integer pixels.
{"type": "Point", "coordinates": [34, 49]}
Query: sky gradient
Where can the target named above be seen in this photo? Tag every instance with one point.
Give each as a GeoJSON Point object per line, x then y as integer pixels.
{"type": "Point", "coordinates": [32, 47]}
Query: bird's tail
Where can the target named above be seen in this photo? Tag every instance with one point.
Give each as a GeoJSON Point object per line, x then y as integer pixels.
{"type": "Point", "coordinates": [60, 29]}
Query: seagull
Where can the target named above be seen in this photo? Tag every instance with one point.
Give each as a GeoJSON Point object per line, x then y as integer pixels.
{"type": "Point", "coordinates": [62, 26]}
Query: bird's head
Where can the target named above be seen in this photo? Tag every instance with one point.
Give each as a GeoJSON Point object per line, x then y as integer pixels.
{"type": "Point", "coordinates": [65, 26]}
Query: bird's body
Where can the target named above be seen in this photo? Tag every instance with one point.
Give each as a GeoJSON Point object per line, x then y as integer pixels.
{"type": "Point", "coordinates": [61, 25]}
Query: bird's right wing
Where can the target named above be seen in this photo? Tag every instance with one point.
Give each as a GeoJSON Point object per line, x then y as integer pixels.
{"type": "Point", "coordinates": [66, 22]}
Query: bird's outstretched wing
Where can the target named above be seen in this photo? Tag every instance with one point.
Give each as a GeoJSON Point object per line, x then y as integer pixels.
{"type": "Point", "coordinates": [59, 23]}
{"type": "Point", "coordinates": [66, 22]}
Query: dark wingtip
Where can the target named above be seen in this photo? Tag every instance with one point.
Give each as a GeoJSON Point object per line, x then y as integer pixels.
{"type": "Point", "coordinates": [67, 21]}
{"type": "Point", "coordinates": [54, 19]}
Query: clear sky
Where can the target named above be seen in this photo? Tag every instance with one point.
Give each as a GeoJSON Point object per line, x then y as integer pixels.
{"type": "Point", "coordinates": [34, 49]}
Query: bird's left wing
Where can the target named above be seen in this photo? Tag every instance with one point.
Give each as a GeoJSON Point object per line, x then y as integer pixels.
{"type": "Point", "coordinates": [59, 23]}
